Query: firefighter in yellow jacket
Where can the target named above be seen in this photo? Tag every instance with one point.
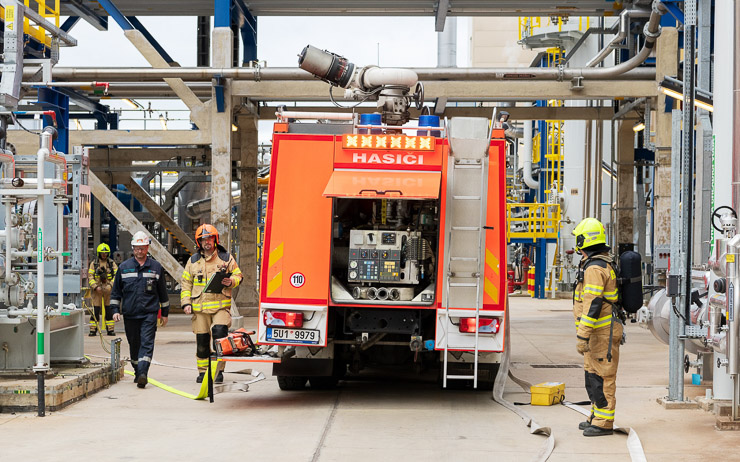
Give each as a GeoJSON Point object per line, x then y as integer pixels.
{"type": "Point", "coordinates": [211, 311]}
{"type": "Point", "coordinates": [598, 324]}
{"type": "Point", "coordinates": [101, 273]}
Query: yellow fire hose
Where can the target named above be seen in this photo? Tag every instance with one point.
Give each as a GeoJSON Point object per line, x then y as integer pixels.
{"type": "Point", "coordinates": [202, 394]}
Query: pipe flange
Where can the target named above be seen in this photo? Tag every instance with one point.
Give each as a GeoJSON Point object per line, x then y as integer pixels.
{"type": "Point", "coordinates": [652, 35]}
{"type": "Point", "coordinates": [257, 75]}
{"type": "Point", "coordinates": [659, 8]}
{"type": "Point", "coordinates": [561, 72]}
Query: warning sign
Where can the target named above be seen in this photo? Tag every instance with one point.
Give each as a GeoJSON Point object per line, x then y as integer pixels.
{"type": "Point", "coordinates": [85, 206]}
{"type": "Point", "coordinates": [297, 280]}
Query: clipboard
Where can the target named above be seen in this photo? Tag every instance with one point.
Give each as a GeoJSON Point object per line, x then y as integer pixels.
{"type": "Point", "coordinates": [215, 282]}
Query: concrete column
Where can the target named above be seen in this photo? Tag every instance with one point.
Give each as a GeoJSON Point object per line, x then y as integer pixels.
{"type": "Point", "coordinates": [625, 183]}
{"type": "Point", "coordinates": [247, 299]}
{"type": "Point", "coordinates": [221, 141]}
{"type": "Point", "coordinates": [666, 64]}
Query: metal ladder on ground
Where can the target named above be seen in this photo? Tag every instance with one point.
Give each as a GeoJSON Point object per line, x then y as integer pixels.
{"type": "Point", "coordinates": [467, 188]}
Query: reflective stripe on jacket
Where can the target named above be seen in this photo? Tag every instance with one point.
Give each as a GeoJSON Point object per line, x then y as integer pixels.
{"type": "Point", "coordinates": [593, 296]}
{"type": "Point", "coordinates": [196, 275]}
{"type": "Point", "coordinates": [140, 290]}
{"type": "Point", "coordinates": [110, 268]}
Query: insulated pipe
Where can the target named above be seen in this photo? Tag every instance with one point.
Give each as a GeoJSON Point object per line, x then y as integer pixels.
{"type": "Point", "coordinates": [624, 24]}
{"type": "Point", "coordinates": [199, 74]}
{"type": "Point", "coordinates": [587, 172]}
{"type": "Point", "coordinates": [373, 77]}
{"type": "Point", "coordinates": [43, 152]}
{"type": "Point", "coordinates": [60, 249]}
{"type": "Point", "coordinates": [8, 236]}
{"type": "Point", "coordinates": [285, 115]}
{"type": "Point", "coordinates": [527, 156]}
{"type": "Point", "coordinates": [733, 330]}
{"type": "Point", "coordinates": [623, 70]}
{"type": "Point", "coordinates": [7, 160]}
{"type": "Point", "coordinates": [32, 183]}
{"type": "Point", "coordinates": [733, 318]}
{"type": "Point", "coordinates": [598, 174]}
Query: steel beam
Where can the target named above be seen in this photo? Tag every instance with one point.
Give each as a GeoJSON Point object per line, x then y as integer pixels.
{"type": "Point", "coordinates": [516, 112]}
{"type": "Point", "coordinates": [510, 90]}
{"type": "Point", "coordinates": [129, 221]}
{"type": "Point", "coordinates": [160, 215]}
{"type": "Point", "coordinates": [441, 15]}
{"type": "Point", "coordinates": [198, 110]}
{"type": "Point", "coordinates": [84, 12]}
{"type": "Point", "coordinates": [102, 156]}
{"type": "Point", "coordinates": [140, 137]}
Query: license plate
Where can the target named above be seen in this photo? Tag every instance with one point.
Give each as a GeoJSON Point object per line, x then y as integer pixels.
{"type": "Point", "coordinates": [292, 335]}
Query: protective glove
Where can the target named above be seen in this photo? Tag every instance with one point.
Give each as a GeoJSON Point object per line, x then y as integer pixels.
{"type": "Point", "coordinates": [582, 346]}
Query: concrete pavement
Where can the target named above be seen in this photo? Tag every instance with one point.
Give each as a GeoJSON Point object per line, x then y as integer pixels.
{"type": "Point", "coordinates": [392, 418]}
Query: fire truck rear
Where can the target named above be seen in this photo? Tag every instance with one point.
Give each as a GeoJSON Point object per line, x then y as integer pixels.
{"type": "Point", "coordinates": [384, 240]}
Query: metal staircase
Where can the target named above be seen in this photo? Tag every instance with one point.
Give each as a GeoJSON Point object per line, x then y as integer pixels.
{"type": "Point", "coordinates": [467, 186]}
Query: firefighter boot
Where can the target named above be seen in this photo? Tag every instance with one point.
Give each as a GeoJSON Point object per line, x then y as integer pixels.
{"type": "Point", "coordinates": [219, 378]}
{"type": "Point", "coordinates": [93, 333]}
{"type": "Point", "coordinates": [141, 380]}
{"type": "Point", "coordinates": [584, 425]}
{"type": "Point", "coordinates": [111, 333]}
{"type": "Point", "coordinates": [593, 430]}
{"type": "Point", "coordinates": [200, 377]}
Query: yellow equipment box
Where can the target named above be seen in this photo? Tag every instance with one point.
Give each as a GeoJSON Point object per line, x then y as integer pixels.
{"type": "Point", "coordinates": [547, 393]}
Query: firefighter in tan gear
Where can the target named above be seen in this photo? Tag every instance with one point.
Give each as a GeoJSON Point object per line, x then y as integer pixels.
{"type": "Point", "coordinates": [211, 311]}
{"type": "Point", "coordinates": [101, 273]}
{"type": "Point", "coordinates": [598, 323]}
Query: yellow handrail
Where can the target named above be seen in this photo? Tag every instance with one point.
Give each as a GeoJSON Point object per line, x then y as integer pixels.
{"type": "Point", "coordinates": [44, 10]}
{"type": "Point", "coordinates": [532, 221]}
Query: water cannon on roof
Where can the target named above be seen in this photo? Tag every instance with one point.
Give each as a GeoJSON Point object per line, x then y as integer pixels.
{"type": "Point", "coordinates": [390, 88]}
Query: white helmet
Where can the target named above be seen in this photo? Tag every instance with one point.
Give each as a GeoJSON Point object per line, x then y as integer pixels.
{"type": "Point", "coordinates": [140, 238]}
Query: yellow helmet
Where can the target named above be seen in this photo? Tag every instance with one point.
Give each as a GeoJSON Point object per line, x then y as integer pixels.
{"type": "Point", "coordinates": [588, 233]}
{"type": "Point", "coordinates": [103, 248]}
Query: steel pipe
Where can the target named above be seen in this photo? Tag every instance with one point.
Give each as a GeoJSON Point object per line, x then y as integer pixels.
{"type": "Point", "coordinates": [624, 23]}
{"type": "Point", "coordinates": [527, 157]}
{"type": "Point", "coordinates": [198, 74]}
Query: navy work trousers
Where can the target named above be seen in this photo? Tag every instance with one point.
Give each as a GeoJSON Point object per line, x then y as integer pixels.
{"type": "Point", "coordinates": [140, 334]}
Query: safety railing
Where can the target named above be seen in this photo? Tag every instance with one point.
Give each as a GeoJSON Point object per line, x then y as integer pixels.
{"type": "Point", "coordinates": [528, 25]}
{"type": "Point", "coordinates": [533, 221]}
{"type": "Point", "coordinates": [48, 10]}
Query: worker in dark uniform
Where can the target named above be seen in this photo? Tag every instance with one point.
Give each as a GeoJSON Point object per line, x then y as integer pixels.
{"type": "Point", "coordinates": [100, 274]}
{"type": "Point", "coordinates": [139, 293]}
{"type": "Point", "coordinates": [598, 324]}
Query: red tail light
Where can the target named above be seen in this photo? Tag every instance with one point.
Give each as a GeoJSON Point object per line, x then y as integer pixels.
{"type": "Point", "coordinates": [283, 318]}
{"type": "Point", "coordinates": [487, 325]}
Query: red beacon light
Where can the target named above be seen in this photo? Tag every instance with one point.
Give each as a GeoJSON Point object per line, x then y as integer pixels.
{"type": "Point", "coordinates": [284, 318]}
{"type": "Point", "coordinates": [487, 325]}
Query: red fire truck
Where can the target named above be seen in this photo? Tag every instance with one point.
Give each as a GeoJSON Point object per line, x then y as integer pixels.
{"type": "Point", "coordinates": [385, 241]}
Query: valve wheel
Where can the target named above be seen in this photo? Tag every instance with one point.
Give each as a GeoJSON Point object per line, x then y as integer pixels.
{"type": "Point", "coordinates": [419, 95]}
{"type": "Point", "coordinates": [686, 364]}
{"type": "Point", "coordinates": [716, 214]}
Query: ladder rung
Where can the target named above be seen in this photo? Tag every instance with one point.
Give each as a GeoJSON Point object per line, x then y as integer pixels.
{"type": "Point", "coordinates": [461, 377]}
{"type": "Point", "coordinates": [466, 198]}
{"type": "Point", "coordinates": [463, 284]}
{"type": "Point", "coordinates": [464, 258]}
{"type": "Point", "coordinates": [465, 228]}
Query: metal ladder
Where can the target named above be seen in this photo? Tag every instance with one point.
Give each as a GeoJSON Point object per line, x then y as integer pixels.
{"type": "Point", "coordinates": [464, 268]}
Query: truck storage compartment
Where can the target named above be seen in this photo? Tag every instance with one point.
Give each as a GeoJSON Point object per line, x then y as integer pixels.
{"type": "Point", "coordinates": [384, 251]}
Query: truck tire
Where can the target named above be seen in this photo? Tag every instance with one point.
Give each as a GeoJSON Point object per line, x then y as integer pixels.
{"type": "Point", "coordinates": [291, 383]}
{"type": "Point", "coordinates": [323, 383]}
